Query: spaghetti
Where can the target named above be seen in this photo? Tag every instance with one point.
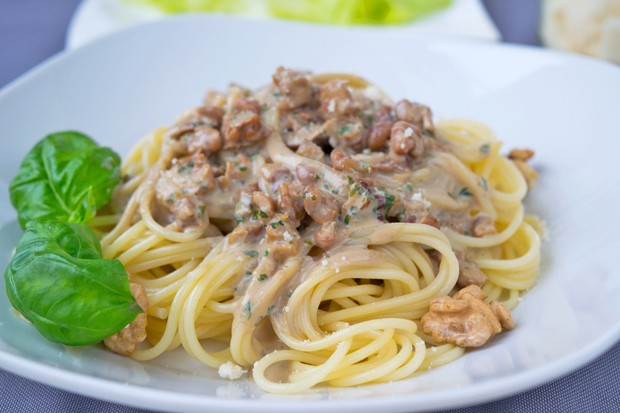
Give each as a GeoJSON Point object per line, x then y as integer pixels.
{"type": "Point", "coordinates": [309, 226]}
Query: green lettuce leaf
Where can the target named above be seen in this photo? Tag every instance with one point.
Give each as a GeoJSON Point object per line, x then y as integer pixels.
{"type": "Point", "coordinates": [321, 11]}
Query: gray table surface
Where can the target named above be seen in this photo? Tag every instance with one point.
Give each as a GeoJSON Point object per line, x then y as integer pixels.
{"type": "Point", "coordinates": [33, 30]}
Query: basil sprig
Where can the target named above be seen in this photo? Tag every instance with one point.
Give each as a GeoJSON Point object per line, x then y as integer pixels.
{"type": "Point", "coordinates": [57, 278]}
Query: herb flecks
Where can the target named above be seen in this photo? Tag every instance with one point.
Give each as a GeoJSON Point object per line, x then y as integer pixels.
{"type": "Point", "coordinates": [277, 223]}
{"type": "Point", "coordinates": [484, 183]}
{"type": "Point", "coordinates": [247, 309]}
{"type": "Point", "coordinates": [465, 192]}
{"type": "Point", "coordinates": [345, 130]}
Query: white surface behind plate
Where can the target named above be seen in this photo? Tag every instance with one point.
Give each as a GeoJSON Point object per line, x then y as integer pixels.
{"type": "Point", "coordinates": [120, 87]}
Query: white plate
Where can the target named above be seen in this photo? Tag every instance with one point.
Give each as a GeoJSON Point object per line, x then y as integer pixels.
{"type": "Point", "coordinates": [96, 18]}
{"type": "Point", "coordinates": [566, 107]}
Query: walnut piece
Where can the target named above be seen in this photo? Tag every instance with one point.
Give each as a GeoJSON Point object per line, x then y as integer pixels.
{"type": "Point", "coordinates": [469, 272]}
{"type": "Point", "coordinates": [415, 113]}
{"type": "Point", "coordinates": [520, 158]}
{"type": "Point", "coordinates": [465, 319]}
{"type": "Point", "coordinates": [295, 87]}
{"type": "Point", "coordinates": [482, 226]}
{"type": "Point", "coordinates": [125, 341]}
{"type": "Point", "coordinates": [521, 154]}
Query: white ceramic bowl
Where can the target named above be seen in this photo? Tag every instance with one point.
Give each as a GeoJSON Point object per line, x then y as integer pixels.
{"type": "Point", "coordinates": [566, 108]}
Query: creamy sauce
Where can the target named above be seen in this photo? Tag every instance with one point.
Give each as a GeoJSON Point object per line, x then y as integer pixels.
{"type": "Point", "coordinates": [289, 171]}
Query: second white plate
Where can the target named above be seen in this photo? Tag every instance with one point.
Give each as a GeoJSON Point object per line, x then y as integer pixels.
{"type": "Point", "coordinates": [96, 18]}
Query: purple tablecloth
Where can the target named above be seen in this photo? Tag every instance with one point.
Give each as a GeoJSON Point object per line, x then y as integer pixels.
{"type": "Point", "coordinates": [33, 30]}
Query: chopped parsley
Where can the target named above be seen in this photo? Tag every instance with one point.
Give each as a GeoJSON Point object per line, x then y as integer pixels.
{"type": "Point", "coordinates": [366, 118]}
{"type": "Point", "coordinates": [465, 192]}
{"type": "Point", "coordinates": [171, 198]}
{"type": "Point", "coordinates": [364, 164]}
{"type": "Point", "coordinates": [187, 167]}
{"type": "Point", "coordinates": [263, 214]}
{"type": "Point", "coordinates": [389, 201]}
{"type": "Point", "coordinates": [201, 211]}
{"type": "Point", "coordinates": [356, 188]}
{"type": "Point", "coordinates": [243, 168]}
{"type": "Point", "coordinates": [275, 224]}
{"type": "Point", "coordinates": [346, 129]}
{"type": "Point", "coordinates": [266, 253]}
{"type": "Point", "coordinates": [347, 219]}
{"type": "Point", "coordinates": [251, 253]}
{"type": "Point", "coordinates": [485, 148]}
{"type": "Point", "coordinates": [263, 277]}
{"type": "Point", "coordinates": [484, 183]}
{"type": "Point", "coordinates": [247, 309]}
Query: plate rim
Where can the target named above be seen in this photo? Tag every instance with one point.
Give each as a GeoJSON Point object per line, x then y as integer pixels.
{"type": "Point", "coordinates": [146, 397]}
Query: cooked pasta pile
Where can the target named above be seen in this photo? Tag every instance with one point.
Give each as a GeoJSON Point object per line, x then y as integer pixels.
{"type": "Point", "coordinates": [316, 230]}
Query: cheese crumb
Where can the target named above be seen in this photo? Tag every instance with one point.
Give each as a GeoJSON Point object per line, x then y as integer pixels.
{"type": "Point", "coordinates": [287, 236]}
{"type": "Point", "coordinates": [373, 93]}
{"type": "Point", "coordinates": [417, 196]}
{"type": "Point", "coordinates": [408, 132]}
{"type": "Point", "coordinates": [231, 371]}
{"type": "Point", "coordinates": [331, 108]}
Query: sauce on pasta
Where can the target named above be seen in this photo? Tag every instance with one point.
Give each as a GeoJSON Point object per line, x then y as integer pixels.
{"type": "Point", "coordinates": [323, 233]}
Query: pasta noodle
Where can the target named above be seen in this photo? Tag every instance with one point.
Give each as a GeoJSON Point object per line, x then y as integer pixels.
{"type": "Point", "coordinates": [224, 237]}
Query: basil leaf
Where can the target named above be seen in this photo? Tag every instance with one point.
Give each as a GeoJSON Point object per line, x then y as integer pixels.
{"type": "Point", "coordinates": [65, 176]}
{"type": "Point", "coordinates": [58, 280]}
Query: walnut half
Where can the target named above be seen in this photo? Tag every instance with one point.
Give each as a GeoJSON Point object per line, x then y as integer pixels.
{"type": "Point", "coordinates": [125, 341]}
{"type": "Point", "coordinates": [465, 319]}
